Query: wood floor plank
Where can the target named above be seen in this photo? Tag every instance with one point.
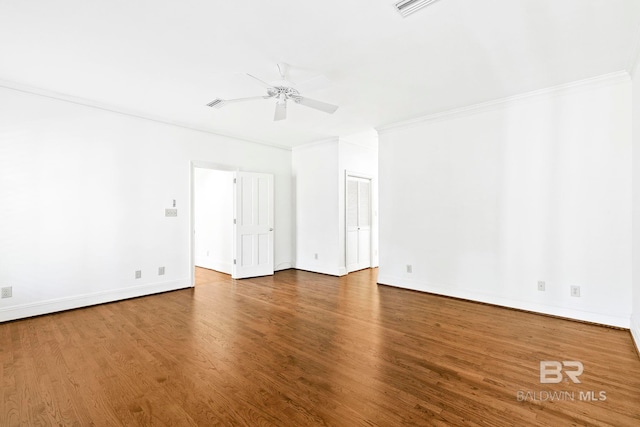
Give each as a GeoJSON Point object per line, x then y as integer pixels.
{"type": "Point", "coordinates": [300, 348]}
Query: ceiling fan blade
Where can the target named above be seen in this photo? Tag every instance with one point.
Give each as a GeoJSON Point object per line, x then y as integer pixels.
{"type": "Point", "coordinates": [262, 82]}
{"type": "Point", "coordinates": [281, 111]}
{"type": "Point", "coordinates": [318, 105]}
{"type": "Point", "coordinates": [219, 103]}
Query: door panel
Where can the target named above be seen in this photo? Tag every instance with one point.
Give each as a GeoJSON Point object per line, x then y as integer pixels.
{"type": "Point", "coordinates": [364, 203]}
{"type": "Point", "coordinates": [352, 248]}
{"type": "Point", "coordinates": [253, 229]}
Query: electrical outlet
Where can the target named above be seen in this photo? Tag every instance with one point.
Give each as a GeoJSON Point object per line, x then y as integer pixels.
{"type": "Point", "coordinates": [541, 286]}
{"type": "Point", "coordinates": [315, 256]}
{"type": "Point", "coordinates": [575, 291]}
{"type": "Point", "coordinates": [138, 274]}
{"type": "Point", "coordinates": [160, 271]}
{"type": "Point", "coordinates": [7, 292]}
{"type": "Point", "coordinates": [409, 268]}
{"type": "Point", "coordinates": [171, 212]}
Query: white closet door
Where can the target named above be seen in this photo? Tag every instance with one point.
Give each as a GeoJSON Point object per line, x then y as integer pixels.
{"type": "Point", "coordinates": [358, 223]}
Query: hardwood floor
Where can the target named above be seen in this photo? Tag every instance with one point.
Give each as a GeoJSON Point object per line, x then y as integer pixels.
{"type": "Point", "coordinates": [306, 349]}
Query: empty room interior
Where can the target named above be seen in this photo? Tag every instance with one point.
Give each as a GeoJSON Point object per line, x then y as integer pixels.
{"type": "Point", "coordinates": [282, 213]}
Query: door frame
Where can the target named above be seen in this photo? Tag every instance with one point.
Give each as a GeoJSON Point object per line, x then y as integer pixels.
{"type": "Point", "coordinates": [352, 174]}
{"type": "Point", "coordinates": [193, 164]}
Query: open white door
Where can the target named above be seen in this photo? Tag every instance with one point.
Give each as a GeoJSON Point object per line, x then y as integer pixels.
{"type": "Point", "coordinates": [358, 221]}
{"type": "Point", "coordinates": [253, 225]}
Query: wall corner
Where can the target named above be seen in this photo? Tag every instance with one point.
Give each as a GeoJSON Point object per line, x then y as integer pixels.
{"type": "Point", "coordinates": [635, 330]}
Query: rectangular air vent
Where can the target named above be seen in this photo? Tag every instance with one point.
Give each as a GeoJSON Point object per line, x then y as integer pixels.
{"type": "Point", "coordinates": [216, 103]}
{"type": "Point", "coordinates": [407, 7]}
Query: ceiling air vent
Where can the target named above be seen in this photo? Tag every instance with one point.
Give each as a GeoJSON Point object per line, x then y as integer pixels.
{"type": "Point", "coordinates": [407, 7]}
{"type": "Point", "coordinates": [216, 103]}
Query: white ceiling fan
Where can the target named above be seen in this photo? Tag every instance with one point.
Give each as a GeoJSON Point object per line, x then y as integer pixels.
{"type": "Point", "coordinates": [282, 91]}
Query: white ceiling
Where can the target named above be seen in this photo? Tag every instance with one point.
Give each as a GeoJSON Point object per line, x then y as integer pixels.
{"type": "Point", "coordinates": [167, 59]}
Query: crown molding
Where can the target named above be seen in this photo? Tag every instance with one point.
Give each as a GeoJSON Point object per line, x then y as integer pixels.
{"type": "Point", "coordinates": [308, 145]}
{"type": "Point", "coordinates": [31, 90]}
{"type": "Point", "coordinates": [355, 144]}
{"type": "Point", "coordinates": [559, 90]}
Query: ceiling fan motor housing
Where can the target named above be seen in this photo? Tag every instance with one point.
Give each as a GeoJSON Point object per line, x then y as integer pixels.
{"type": "Point", "coordinates": [283, 92]}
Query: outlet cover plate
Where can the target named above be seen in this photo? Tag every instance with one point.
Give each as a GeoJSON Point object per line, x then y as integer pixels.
{"type": "Point", "coordinates": [575, 291]}
{"type": "Point", "coordinates": [7, 292]}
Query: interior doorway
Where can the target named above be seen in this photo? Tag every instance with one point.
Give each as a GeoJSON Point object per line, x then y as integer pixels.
{"type": "Point", "coordinates": [213, 219]}
{"type": "Point", "coordinates": [358, 222]}
{"type": "Point", "coordinates": [232, 221]}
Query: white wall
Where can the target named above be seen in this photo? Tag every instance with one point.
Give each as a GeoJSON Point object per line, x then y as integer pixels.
{"type": "Point", "coordinates": [213, 215]}
{"type": "Point", "coordinates": [315, 171]}
{"type": "Point", "coordinates": [635, 319]}
{"type": "Point", "coordinates": [319, 173]}
{"type": "Point", "coordinates": [485, 203]}
{"type": "Point", "coordinates": [84, 191]}
{"type": "Point", "coordinates": [356, 158]}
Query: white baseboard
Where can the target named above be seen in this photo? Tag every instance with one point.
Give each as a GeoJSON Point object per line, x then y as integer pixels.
{"type": "Point", "coordinates": [79, 301]}
{"type": "Point", "coordinates": [284, 266]}
{"type": "Point", "coordinates": [222, 266]}
{"type": "Point", "coordinates": [635, 329]}
{"type": "Point", "coordinates": [601, 318]}
{"type": "Point", "coordinates": [217, 265]}
{"type": "Point", "coordinates": [315, 268]}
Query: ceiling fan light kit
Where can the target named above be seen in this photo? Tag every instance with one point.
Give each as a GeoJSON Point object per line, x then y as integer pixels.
{"type": "Point", "coordinates": [407, 7]}
{"type": "Point", "coordinates": [282, 93]}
